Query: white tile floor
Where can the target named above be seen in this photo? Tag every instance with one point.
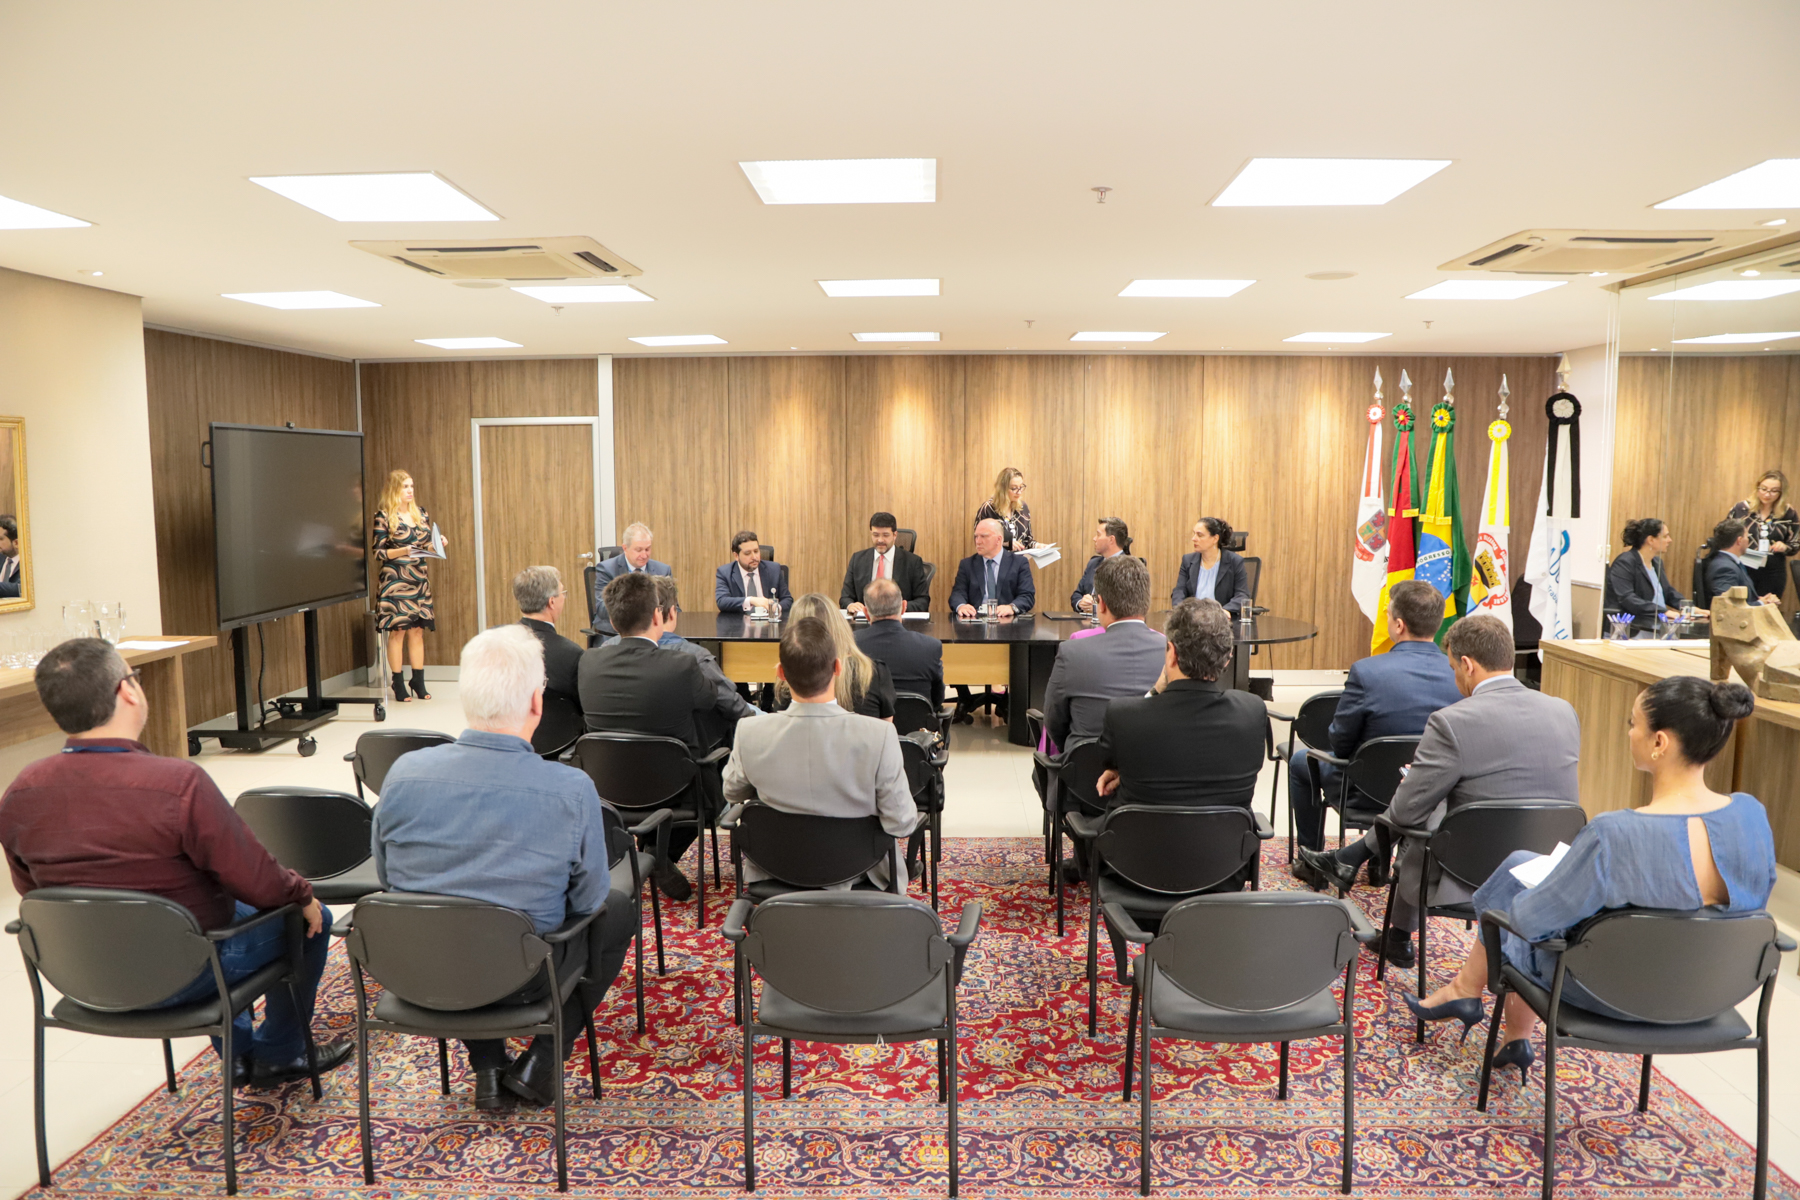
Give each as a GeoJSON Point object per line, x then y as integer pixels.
{"type": "Point", "coordinates": [92, 1082]}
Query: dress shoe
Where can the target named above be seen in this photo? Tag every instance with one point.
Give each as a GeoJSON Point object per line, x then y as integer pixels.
{"type": "Point", "coordinates": [1327, 870]}
{"type": "Point", "coordinates": [489, 1095]}
{"type": "Point", "coordinates": [1397, 948]}
{"type": "Point", "coordinates": [1468, 1011]}
{"type": "Point", "coordinates": [1378, 872]}
{"type": "Point", "coordinates": [914, 868]}
{"type": "Point", "coordinates": [673, 883]}
{"type": "Point", "coordinates": [330, 1055]}
{"type": "Point", "coordinates": [241, 1070]}
{"type": "Point", "coordinates": [1070, 872]}
{"type": "Point", "coordinates": [1516, 1053]}
{"type": "Point", "coordinates": [532, 1077]}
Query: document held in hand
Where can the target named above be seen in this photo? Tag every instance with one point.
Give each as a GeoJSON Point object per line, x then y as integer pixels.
{"type": "Point", "coordinates": [1538, 869]}
{"type": "Point", "coordinates": [1043, 554]}
{"type": "Point", "coordinates": [437, 545]}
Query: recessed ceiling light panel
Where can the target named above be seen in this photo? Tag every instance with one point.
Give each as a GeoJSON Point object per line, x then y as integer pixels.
{"type": "Point", "coordinates": [1732, 289]}
{"type": "Point", "coordinates": [844, 180]}
{"type": "Point", "coordinates": [847, 288]}
{"type": "Point", "coordinates": [585, 294]}
{"type": "Point", "coordinates": [1285, 182]}
{"type": "Point", "coordinates": [680, 339]}
{"type": "Point", "coordinates": [1185, 288]}
{"type": "Point", "coordinates": [16, 214]}
{"type": "Point", "coordinates": [1336, 337]}
{"type": "Point", "coordinates": [895, 337]}
{"type": "Point", "coordinates": [1773, 183]}
{"type": "Point", "coordinates": [299, 299]}
{"type": "Point", "coordinates": [1735, 339]}
{"type": "Point", "coordinates": [1113, 335]}
{"type": "Point", "coordinates": [1485, 289]}
{"type": "Point", "coordinates": [469, 343]}
{"type": "Point", "coordinates": [402, 196]}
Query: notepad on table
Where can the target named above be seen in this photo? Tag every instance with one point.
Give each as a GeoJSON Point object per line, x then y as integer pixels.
{"type": "Point", "coordinates": [1538, 869]}
{"type": "Point", "coordinates": [147, 644]}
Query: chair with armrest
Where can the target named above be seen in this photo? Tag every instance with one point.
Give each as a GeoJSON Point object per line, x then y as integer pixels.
{"type": "Point", "coordinates": [930, 575]}
{"type": "Point", "coordinates": [321, 834]}
{"type": "Point", "coordinates": [1468, 846]}
{"type": "Point", "coordinates": [1680, 976]}
{"type": "Point", "coordinates": [924, 757]}
{"type": "Point", "coordinates": [913, 711]}
{"type": "Point", "coordinates": [1246, 967]}
{"type": "Point", "coordinates": [638, 772]}
{"type": "Point", "coordinates": [1073, 788]}
{"type": "Point", "coordinates": [1308, 729]}
{"type": "Point", "coordinates": [1147, 858]}
{"type": "Point", "coordinates": [848, 967]}
{"type": "Point", "coordinates": [1367, 780]}
{"type": "Point", "coordinates": [447, 966]}
{"type": "Point", "coordinates": [907, 540]}
{"type": "Point", "coordinates": [377, 750]}
{"type": "Point", "coordinates": [558, 728]}
{"type": "Point", "coordinates": [114, 955]}
{"type": "Point", "coordinates": [628, 886]}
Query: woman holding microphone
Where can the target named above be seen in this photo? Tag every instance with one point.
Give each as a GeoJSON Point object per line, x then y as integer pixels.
{"type": "Point", "coordinates": [401, 535]}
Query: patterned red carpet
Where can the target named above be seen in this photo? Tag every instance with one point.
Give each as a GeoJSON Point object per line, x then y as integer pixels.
{"type": "Point", "coordinates": [1041, 1110]}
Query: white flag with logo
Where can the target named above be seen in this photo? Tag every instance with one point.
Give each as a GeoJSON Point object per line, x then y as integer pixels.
{"type": "Point", "coordinates": [1368, 567]}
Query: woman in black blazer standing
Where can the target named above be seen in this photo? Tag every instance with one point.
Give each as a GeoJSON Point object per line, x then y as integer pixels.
{"type": "Point", "coordinates": [1636, 582]}
{"type": "Point", "coordinates": [1212, 570]}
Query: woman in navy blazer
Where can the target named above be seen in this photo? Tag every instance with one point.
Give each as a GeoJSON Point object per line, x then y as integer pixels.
{"type": "Point", "coordinates": [1724, 569]}
{"type": "Point", "coordinates": [1230, 584]}
{"type": "Point", "coordinates": [1636, 578]}
{"type": "Point", "coordinates": [728, 581]}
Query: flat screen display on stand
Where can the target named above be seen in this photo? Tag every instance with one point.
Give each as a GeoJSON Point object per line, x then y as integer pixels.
{"type": "Point", "coordinates": [288, 528]}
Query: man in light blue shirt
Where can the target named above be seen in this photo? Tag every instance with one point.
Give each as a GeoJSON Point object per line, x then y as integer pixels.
{"type": "Point", "coordinates": [488, 819]}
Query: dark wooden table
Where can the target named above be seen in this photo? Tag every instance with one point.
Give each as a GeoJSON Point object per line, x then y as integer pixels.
{"type": "Point", "coordinates": [1016, 653]}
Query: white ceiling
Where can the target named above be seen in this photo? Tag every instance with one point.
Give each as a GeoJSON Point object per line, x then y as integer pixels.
{"type": "Point", "coordinates": [624, 122]}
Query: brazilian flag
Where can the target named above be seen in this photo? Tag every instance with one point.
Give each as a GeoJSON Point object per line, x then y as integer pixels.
{"type": "Point", "coordinates": [1443, 554]}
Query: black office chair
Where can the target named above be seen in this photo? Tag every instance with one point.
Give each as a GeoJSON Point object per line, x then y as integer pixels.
{"type": "Point", "coordinates": [559, 727]}
{"type": "Point", "coordinates": [377, 749]}
{"type": "Point", "coordinates": [848, 967]}
{"type": "Point", "coordinates": [1468, 846]}
{"type": "Point", "coordinates": [1253, 582]}
{"type": "Point", "coordinates": [602, 553]}
{"type": "Point", "coordinates": [907, 540]}
{"type": "Point", "coordinates": [1309, 729]}
{"type": "Point", "coordinates": [446, 965]}
{"type": "Point", "coordinates": [1238, 540]}
{"type": "Point", "coordinates": [1245, 967]}
{"type": "Point", "coordinates": [804, 851]}
{"type": "Point", "coordinates": [1680, 975]}
{"type": "Point", "coordinates": [1073, 788]}
{"type": "Point", "coordinates": [638, 772]}
{"type": "Point", "coordinates": [323, 835]}
{"type": "Point", "coordinates": [1367, 780]}
{"type": "Point", "coordinates": [930, 574]}
{"type": "Point", "coordinates": [1702, 594]}
{"type": "Point", "coordinates": [622, 850]}
{"type": "Point", "coordinates": [913, 711]}
{"type": "Point", "coordinates": [113, 954]}
{"type": "Point", "coordinates": [590, 578]}
{"type": "Point", "coordinates": [1149, 857]}
{"type": "Point", "coordinates": [924, 758]}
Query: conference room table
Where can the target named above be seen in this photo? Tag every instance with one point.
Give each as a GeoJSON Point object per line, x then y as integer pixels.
{"type": "Point", "coordinates": [1016, 653]}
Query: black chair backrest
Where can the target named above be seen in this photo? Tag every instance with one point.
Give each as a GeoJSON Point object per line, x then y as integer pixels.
{"type": "Point", "coordinates": [619, 841]}
{"type": "Point", "coordinates": [1475, 839]}
{"type": "Point", "coordinates": [109, 949]}
{"type": "Point", "coordinates": [1255, 951]}
{"type": "Point", "coordinates": [560, 725]}
{"type": "Point", "coordinates": [1174, 850]}
{"type": "Point", "coordinates": [809, 851]}
{"type": "Point", "coordinates": [913, 711]}
{"type": "Point", "coordinates": [923, 780]}
{"type": "Point", "coordinates": [1374, 770]}
{"type": "Point", "coordinates": [930, 574]}
{"type": "Point", "coordinates": [768, 552]}
{"type": "Point", "coordinates": [1252, 575]}
{"type": "Point", "coordinates": [1079, 775]}
{"type": "Point", "coordinates": [846, 952]}
{"type": "Point", "coordinates": [907, 540]}
{"type": "Point", "coordinates": [589, 579]}
{"type": "Point", "coordinates": [445, 952]}
{"type": "Point", "coordinates": [1239, 539]}
{"type": "Point", "coordinates": [1702, 593]}
{"type": "Point", "coordinates": [1670, 968]}
{"type": "Point", "coordinates": [602, 553]}
{"type": "Point", "coordinates": [317, 832]}
{"type": "Point", "coordinates": [1312, 724]}
{"type": "Point", "coordinates": [635, 770]}
{"type": "Point", "coordinates": [377, 750]}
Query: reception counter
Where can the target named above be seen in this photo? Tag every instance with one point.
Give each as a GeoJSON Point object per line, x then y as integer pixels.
{"type": "Point", "coordinates": [1602, 680]}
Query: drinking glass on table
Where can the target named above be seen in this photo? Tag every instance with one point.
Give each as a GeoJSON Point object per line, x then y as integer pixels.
{"type": "Point", "coordinates": [78, 619]}
{"type": "Point", "coordinates": [109, 618]}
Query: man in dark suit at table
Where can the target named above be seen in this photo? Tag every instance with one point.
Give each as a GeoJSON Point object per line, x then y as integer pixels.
{"type": "Point", "coordinates": [1725, 566]}
{"type": "Point", "coordinates": [635, 686]}
{"type": "Point", "coordinates": [1385, 695]}
{"type": "Point", "coordinates": [632, 559]}
{"type": "Point", "coordinates": [1111, 538]}
{"type": "Point", "coordinates": [915, 660]}
{"type": "Point", "coordinates": [718, 725]}
{"type": "Point", "coordinates": [747, 582]}
{"type": "Point", "coordinates": [884, 559]}
{"type": "Point", "coordinates": [992, 575]}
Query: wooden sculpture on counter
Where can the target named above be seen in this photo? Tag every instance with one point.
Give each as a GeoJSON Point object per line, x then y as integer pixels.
{"type": "Point", "coordinates": [1757, 642]}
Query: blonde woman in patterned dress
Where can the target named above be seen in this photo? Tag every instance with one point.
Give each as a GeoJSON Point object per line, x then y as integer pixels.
{"type": "Point", "coordinates": [403, 587]}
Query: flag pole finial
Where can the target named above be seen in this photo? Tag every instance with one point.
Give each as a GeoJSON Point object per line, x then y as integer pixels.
{"type": "Point", "coordinates": [1563, 371]}
{"type": "Point", "coordinates": [1405, 388]}
{"type": "Point", "coordinates": [1449, 388]}
{"type": "Point", "coordinates": [1378, 383]}
{"type": "Point", "coordinates": [1505, 395]}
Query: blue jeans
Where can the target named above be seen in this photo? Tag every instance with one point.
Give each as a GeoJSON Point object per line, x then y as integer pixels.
{"type": "Point", "coordinates": [1305, 798]}
{"type": "Point", "coordinates": [279, 1038]}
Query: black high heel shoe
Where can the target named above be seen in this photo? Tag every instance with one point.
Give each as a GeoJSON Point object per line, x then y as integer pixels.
{"type": "Point", "coordinates": [418, 684]}
{"type": "Point", "coordinates": [1469, 1011]}
{"type": "Point", "coordinates": [1516, 1053]}
{"type": "Point", "coordinates": [400, 693]}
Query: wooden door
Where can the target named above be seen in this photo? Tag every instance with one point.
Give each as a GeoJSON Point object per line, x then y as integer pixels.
{"type": "Point", "coordinates": [537, 509]}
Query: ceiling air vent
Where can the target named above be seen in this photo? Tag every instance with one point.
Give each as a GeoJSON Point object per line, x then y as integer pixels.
{"type": "Point", "coordinates": [1584, 251]}
{"type": "Point", "coordinates": [508, 260]}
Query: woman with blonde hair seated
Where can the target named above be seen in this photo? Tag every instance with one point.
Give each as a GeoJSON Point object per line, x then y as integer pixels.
{"type": "Point", "coordinates": [864, 686]}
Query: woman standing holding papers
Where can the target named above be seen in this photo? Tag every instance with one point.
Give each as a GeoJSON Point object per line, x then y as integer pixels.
{"type": "Point", "coordinates": [402, 532]}
{"type": "Point", "coordinates": [1772, 525]}
{"type": "Point", "coordinates": [1007, 506]}
{"type": "Point", "coordinates": [1211, 571]}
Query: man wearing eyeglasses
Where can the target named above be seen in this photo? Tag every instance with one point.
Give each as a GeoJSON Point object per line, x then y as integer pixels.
{"type": "Point", "coordinates": [541, 596]}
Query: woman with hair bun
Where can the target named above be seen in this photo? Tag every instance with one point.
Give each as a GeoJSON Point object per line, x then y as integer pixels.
{"type": "Point", "coordinates": [1636, 582]}
{"type": "Point", "coordinates": [1689, 848]}
{"type": "Point", "coordinates": [1212, 570]}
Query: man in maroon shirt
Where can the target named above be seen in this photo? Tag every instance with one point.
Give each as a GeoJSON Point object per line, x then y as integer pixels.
{"type": "Point", "coordinates": [107, 813]}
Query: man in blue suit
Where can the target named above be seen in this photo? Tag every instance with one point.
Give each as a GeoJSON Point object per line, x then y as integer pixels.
{"type": "Point", "coordinates": [747, 583]}
{"type": "Point", "coordinates": [1386, 695]}
{"type": "Point", "coordinates": [1725, 567]}
{"type": "Point", "coordinates": [992, 573]}
{"type": "Point", "coordinates": [633, 558]}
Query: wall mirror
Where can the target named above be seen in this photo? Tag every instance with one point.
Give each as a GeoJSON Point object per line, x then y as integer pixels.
{"type": "Point", "coordinates": [16, 592]}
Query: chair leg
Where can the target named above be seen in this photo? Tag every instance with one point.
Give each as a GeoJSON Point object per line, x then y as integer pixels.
{"type": "Point", "coordinates": [699, 870]}
{"type": "Point", "coordinates": [168, 1067]}
{"type": "Point", "coordinates": [1093, 953]}
{"type": "Point", "coordinates": [1130, 1037]}
{"type": "Point", "coordinates": [1281, 1087]}
{"type": "Point", "coordinates": [662, 967]}
{"type": "Point", "coordinates": [951, 1054]}
{"type": "Point", "coordinates": [562, 1145]}
{"type": "Point", "coordinates": [37, 1099]}
{"type": "Point", "coordinates": [227, 1096]}
{"type": "Point", "coordinates": [749, 1108]}
{"type": "Point", "coordinates": [1487, 1057]}
{"type": "Point", "coordinates": [1387, 923]}
{"type": "Point", "coordinates": [593, 1059]}
{"type": "Point", "coordinates": [1424, 912]}
{"type": "Point", "coordinates": [312, 1052]}
{"type": "Point", "coordinates": [1644, 1087]}
{"type": "Point", "coordinates": [941, 1080]}
{"type": "Point", "coordinates": [1349, 1104]}
{"type": "Point", "coordinates": [637, 939]}
{"type": "Point", "coordinates": [1761, 1187]}
{"type": "Point", "coordinates": [787, 1068]}
{"type": "Point", "coordinates": [1144, 1095]}
{"type": "Point", "coordinates": [443, 1067]}
{"type": "Point", "coordinates": [1549, 1108]}
{"type": "Point", "coordinates": [937, 854]}
{"type": "Point", "coordinates": [362, 1098]}
{"type": "Point", "coordinates": [715, 843]}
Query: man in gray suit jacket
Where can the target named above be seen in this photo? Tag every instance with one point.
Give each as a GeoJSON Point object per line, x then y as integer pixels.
{"type": "Point", "coordinates": [633, 557]}
{"type": "Point", "coordinates": [1125, 660]}
{"type": "Point", "coordinates": [814, 757]}
{"type": "Point", "coordinates": [1503, 742]}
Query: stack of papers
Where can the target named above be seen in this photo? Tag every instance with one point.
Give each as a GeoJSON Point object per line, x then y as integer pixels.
{"type": "Point", "coordinates": [1043, 554]}
{"type": "Point", "coordinates": [1538, 869]}
{"type": "Point", "coordinates": [437, 545]}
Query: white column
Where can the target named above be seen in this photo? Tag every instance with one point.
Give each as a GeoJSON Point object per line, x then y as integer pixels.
{"type": "Point", "coordinates": [606, 514]}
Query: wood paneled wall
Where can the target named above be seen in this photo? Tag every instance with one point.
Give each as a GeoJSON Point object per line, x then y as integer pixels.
{"type": "Point", "coordinates": [803, 449]}
{"type": "Point", "coordinates": [1694, 431]}
{"type": "Point", "coordinates": [416, 419]}
{"type": "Point", "coordinates": [192, 382]}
